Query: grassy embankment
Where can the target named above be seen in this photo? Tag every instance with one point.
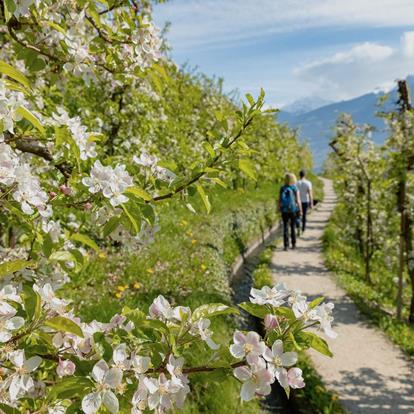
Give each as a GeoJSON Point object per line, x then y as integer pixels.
{"type": "Point", "coordinates": [377, 301]}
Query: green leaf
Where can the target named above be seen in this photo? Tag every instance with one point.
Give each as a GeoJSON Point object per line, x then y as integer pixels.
{"type": "Point", "coordinates": [60, 323]}
{"type": "Point", "coordinates": [139, 192]}
{"type": "Point", "coordinates": [15, 265]}
{"type": "Point", "coordinates": [286, 312]}
{"type": "Point", "coordinates": [8, 410]}
{"type": "Point", "coordinates": [15, 86]}
{"type": "Point", "coordinates": [213, 309]}
{"type": "Point", "coordinates": [248, 168]}
{"type": "Point", "coordinates": [62, 256]}
{"type": "Point", "coordinates": [9, 9]}
{"type": "Point", "coordinates": [316, 302]}
{"type": "Point", "coordinates": [219, 182]}
{"type": "Point", "coordinates": [295, 344]}
{"type": "Point", "coordinates": [131, 219]}
{"type": "Point", "coordinates": [32, 303]}
{"type": "Point", "coordinates": [254, 309]}
{"type": "Point", "coordinates": [13, 73]}
{"type": "Point", "coordinates": [26, 114]}
{"type": "Point", "coordinates": [154, 324]}
{"type": "Point", "coordinates": [316, 342]}
{"type": "Point", "coordinates": [70, 387]}
{"type": "Point", "coordinates": [110, 226]}
{"type": "Point", "coordinates": [82, 238]}
{"type": "Point", "coordinates": [204, 198]}
{"type": "Point", "coordinates": [208, 147]}
{"type": "Point", "coordinates": [47, 245]}
{"type": "Point", "coordinates": [250, 99]}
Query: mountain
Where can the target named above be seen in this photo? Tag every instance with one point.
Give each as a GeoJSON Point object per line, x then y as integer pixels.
{"type": "Point", "coordinates": [304, 105]}
{"type": "Point", "coordinates": [316, 126]}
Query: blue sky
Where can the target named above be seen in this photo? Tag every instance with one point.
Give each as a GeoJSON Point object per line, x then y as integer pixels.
{"type": "Point", "coordinates": [332, 49]}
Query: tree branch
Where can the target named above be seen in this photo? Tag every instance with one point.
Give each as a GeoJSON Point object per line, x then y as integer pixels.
{"type": "Point", "coordinates": [33, 147]}
{"type": "Point", "coordinates": [211, 164]}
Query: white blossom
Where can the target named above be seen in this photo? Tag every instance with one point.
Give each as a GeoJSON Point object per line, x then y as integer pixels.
{"type": "Point", "coordinates": [106, 379]}
{"type": "Point", "coordinates": [250, 344]}
{"type": "Point", "coordinates": [21, 382]}
{"type": "Point", "coordinates": [111, 181]}
{"type": "Point", "coordinates": [256, 379]}
{"type": "Point", "coordinates": [275, 296]}
{"type": "Point", "coordinates": [201, 328]}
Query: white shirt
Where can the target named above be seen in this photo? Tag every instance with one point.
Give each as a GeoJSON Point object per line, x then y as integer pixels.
{"type": "Point", "coordinates": [305, 187]}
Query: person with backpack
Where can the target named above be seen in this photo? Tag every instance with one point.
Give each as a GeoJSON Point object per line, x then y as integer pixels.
{"type": "Point", "coordinates": [290, 206]}
{"type": "Point", "coordinates": [306, 196]}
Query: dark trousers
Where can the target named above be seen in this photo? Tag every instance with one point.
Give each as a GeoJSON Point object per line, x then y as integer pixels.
{"type": "Point", "coordinates": [305, 207]}
{"type": "Point", "coordinates": [289, 222]}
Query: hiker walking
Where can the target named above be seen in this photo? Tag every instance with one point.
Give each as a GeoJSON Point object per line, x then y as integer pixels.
{"type": "Point", "coordinates": [306, 196]}
{"type": "Point", "coordinates": [290, 206]}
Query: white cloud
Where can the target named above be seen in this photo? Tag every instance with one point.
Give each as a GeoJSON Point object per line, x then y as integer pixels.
{"type": "Point", "coordinates": [200, 23]}
{"type": "Point", "coordinates": [363, 68]}
{"type": "Point", "coordinates": [408, 44]}
{"type": "Point", "coordinates": [364, 52]}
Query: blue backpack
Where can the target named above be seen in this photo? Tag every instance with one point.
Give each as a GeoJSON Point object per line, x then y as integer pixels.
{"type": "Point", "coordinates": [288, 199]}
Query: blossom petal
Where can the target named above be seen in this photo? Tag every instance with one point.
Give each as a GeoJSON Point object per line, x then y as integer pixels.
{"type": "Point", "coordinates": [277, 348]}
{"type": "Point", "coordinates": [237, 351]}
{"type": "Point", "coordinates": [247, 391]}
{"type": "Point", "coordinates": [242, 373]}
{"type": "Point", "coordinates": [32, 363]}
{"type": "Point", "coordinates": [239, 338]}
{"type": "Point", "coordinates": [91, 403]}
{"type": "Point", "coordinates": [111, 402]}
{"type": "Point", "coordinates": [289, 358]}
{"type": "Point", "coordinates": [14, 323]}
{"type": "Point", "coordinates": [17, 358]}
{"type": "Point", "coordinates": [113, 377]}
{"type": "Point", "coordinates": [99, 370]}
{"type": "Point", "coordinates": [282, 376]}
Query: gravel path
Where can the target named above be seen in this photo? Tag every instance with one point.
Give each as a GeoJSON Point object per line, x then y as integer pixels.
{"type": "Point", "coordinates": [368, 372]}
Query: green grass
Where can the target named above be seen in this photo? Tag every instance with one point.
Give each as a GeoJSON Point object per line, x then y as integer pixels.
{"type": "Point", "coordinates": [376, 301]}
{"type": "Point", "coordinates": [189, 263]}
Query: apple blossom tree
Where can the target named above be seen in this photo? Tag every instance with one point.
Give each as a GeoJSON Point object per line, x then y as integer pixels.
{"type": "Point", "coordinates": [75, 171]}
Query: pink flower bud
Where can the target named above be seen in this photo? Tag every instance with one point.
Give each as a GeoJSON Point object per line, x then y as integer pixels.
{"type": "Point", "coordinates": [65, 368]}
{"type": "Point", "coordinates": [270, 322]}
{"type": "Point", "coordinates": [52, 194]}
{"type": "Point", "coordinates": [65, 189]}
{"type": "Point", "coordinates": [87, 206]}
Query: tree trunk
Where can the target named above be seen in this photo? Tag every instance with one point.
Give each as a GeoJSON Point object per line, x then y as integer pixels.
{"type": "Point", "coordinates": [368, 241]}
{"type": "Point", "coordinates": [410, 264]}
{"type": "Point", "coordinates": [401, 208]}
